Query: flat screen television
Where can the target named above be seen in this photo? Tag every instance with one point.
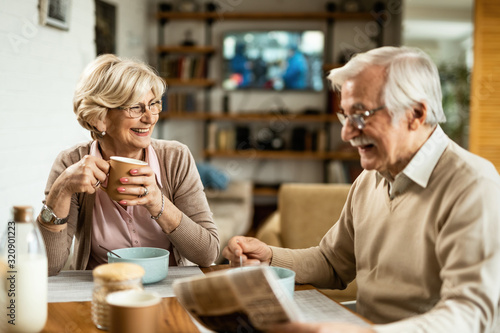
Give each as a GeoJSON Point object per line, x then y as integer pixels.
{"type": "Point", "coordinates": [273, 60]}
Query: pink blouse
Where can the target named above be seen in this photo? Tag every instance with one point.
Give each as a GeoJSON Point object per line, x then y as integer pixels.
{"type": "Point", "coordinates": [116, 227]}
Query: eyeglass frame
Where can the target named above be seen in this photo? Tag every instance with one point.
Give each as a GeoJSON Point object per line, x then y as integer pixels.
{"type": "Point", "coordinates": [358, 120]}
{"type": "Point", "coordinates": [143, 109]}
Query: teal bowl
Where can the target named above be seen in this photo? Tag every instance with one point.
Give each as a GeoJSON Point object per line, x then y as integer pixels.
{"type": "Point", "coordinates": [286, 277]}
{"type": "Point", "coordinates": [153, 260]}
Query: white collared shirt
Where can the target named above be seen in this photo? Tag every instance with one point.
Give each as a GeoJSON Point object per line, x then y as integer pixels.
{"type": "Point", "coordinates": [420, 167]}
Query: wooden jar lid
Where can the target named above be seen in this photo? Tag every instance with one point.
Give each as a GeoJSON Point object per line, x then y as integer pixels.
{"type": "Point", "coordinates": [118, 271]}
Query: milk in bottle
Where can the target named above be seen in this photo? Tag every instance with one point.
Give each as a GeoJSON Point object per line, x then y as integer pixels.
{"type": "Point", "coordinates": [23, 266]}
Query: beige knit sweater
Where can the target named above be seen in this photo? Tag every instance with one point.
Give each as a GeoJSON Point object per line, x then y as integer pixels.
{"type": "Point", "coordinates": [429, 258]}
{"type": "Point", "coordinates": [195, 240]}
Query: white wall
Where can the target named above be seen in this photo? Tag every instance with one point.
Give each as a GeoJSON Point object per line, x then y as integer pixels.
{"type": "Point", "coordinates": [132, 28]}
{"type": "Point", "coordinates": [39, 68]}
{"type": "Point", "coordinates": [443, 30]}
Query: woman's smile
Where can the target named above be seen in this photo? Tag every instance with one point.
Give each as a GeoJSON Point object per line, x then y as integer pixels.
{"type": "Point", "coordinates": [141, 131]}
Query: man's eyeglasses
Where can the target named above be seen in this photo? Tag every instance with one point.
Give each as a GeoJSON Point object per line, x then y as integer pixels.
{"type": "Point", "coordinates": [358, 120]}
{"type": "Point", "coordinates": [138, 110]}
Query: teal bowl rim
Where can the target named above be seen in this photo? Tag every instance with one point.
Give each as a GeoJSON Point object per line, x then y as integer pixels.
{"type": "Point", "coordinates": [283, 269]}
{"type": "Point", "coordinates": [274, 269]}
{"type": "Point", "coordinates": [166, 254]}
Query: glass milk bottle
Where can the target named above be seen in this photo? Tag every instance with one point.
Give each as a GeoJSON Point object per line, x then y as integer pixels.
{"type": "Point", "coordinates": [23, 262]}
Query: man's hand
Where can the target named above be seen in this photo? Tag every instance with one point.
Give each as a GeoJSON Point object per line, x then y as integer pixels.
{"type": "Point", "coordinates": [251, 250]}
{"type": "Point", "coordinates": [297, 327]}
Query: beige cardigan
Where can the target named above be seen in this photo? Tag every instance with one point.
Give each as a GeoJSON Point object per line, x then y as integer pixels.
{"type": "Point", "coordinates": [195, 239]}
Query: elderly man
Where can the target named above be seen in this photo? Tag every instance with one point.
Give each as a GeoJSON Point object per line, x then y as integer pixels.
{"type": "Point", "coordinates": [420, 230]}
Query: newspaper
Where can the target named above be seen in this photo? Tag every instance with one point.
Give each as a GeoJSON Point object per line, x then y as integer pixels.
{"type": "Point", "coordinates": [237, 300]}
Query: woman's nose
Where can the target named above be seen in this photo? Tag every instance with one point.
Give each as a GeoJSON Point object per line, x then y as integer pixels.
{"type": "Point", "coordinates": [149, 118]}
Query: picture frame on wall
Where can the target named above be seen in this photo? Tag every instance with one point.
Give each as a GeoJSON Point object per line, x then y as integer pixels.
{"type": "Point", "coordinates": [55, 13]}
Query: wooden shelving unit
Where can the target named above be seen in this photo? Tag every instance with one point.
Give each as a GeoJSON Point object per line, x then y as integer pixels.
{"type": "Point", "coordinates": [249, 117]}
{"type": "Point", "coordinates": [185, 49]}
{"type": "Point", "coordinates": [266, 117]}
{"type": "Point", "coordinates": [264, 16]}
{"type": "Point", "coordinates": [200, 83]}
{"type": "Point", "coordinates": [263, 191]}
{"type": "Point", "coordinates": [283, 154]}
{"type": "Point", "coordinates": [327, 67]}
{"type": "Point", "coordinates": [213, 119]}
{"type": "Point", "coordinates": [183, 116]}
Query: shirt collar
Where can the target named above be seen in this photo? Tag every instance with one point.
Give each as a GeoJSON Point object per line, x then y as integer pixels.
{"type": "Point", "coordinates": [423, 163]}
{"type": "Point", "coordinates": [420, 167]}
{"type": "Point", "coordinates": [151, 158]}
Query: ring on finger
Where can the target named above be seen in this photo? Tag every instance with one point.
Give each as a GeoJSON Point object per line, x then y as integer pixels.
{"type": "Point", "coordinates": [146, 192]}
{"type": "Point", "coordinates": [97, 183]}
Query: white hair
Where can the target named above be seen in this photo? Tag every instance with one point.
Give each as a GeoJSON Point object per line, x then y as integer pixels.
{"type": "Point", "coordinates": [410, 78]}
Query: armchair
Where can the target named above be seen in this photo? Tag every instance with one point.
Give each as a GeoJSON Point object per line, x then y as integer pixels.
{"type": "Point", "coordinates": [316, 205]}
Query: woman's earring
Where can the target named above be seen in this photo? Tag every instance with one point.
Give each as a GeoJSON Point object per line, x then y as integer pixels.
{"type": "Point", "coordinates": [103, 133]}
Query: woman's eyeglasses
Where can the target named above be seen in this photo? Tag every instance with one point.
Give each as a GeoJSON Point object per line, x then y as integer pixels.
{"type": "Point", "coordinates": [138, 110]}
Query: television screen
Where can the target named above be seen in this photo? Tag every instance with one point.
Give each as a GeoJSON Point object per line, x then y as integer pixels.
{"type": "Point", "coordinates": [273, 60]}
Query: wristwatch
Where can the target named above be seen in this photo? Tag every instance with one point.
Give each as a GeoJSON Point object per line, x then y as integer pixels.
{"type": "Point", "coordinates": [48, 216]}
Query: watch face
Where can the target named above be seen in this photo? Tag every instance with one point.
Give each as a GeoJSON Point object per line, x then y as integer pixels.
{"type": "Point", "coordinates": [46, 215]}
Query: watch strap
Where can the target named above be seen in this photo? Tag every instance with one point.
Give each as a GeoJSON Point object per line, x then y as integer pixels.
{"type": "Point", "coordinates": [48, 216]}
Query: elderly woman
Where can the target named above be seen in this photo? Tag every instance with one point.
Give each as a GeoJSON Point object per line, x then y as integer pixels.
{"type": "Point", "coordinates": [119, 101]}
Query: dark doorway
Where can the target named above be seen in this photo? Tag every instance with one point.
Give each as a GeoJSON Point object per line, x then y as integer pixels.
{"type": "Point", "coordinates": [105, 27]}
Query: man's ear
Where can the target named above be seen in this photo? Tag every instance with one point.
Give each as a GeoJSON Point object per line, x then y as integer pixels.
{"type": "Point", "coordinates": [418, 115]}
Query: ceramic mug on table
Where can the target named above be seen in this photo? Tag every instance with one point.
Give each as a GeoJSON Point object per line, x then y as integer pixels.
{"type": "Point", "coordinates": [133, 311]}
{"type": "Point", "coordinates": [120, 167]}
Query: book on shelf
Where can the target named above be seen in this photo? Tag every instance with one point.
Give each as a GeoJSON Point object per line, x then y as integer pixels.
{"type": "Point", "coordinates": [303, 139]}
{"type": "Point", "coordinates": [212, 136]}
{"type": "Point", "coordinates": [226, 139]}
{"type": "Point", "coordinates": [180, 102]}
{"type": "Point", "coordinates": [333, 105]}
{"type": "Point", "coordinates": [220, 138]}
{"type": "Point", "coordinates": [184, 67]}
{"type": "Point", "coordinates": [321, 139]}
{"type": "Point", "coordinates": [229, 138]}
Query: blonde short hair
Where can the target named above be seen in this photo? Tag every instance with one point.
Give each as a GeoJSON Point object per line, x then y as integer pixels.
{"type": "Point", "coordinates": [110, 82]}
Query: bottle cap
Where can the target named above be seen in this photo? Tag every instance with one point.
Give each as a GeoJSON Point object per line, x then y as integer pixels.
{"type": "Point", "coordinates": [23, 213]}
